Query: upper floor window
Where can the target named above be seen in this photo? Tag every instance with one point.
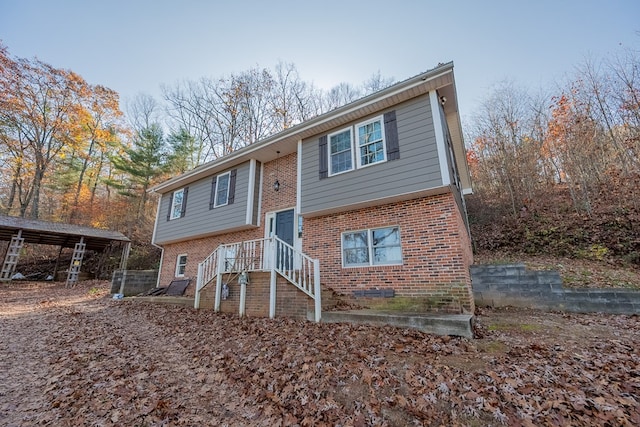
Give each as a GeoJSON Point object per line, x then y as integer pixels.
{"type": "Point", "coordinates": [340, 154]}
{"type": "Point", "coordinates": [178, 203]}
{"type": "Point", "coordinates": [364, 144]}
{"type": "Point", "coordinates": [222, 190]}
{"type": "Point", "coordinates": [370, 142]}
{"type": "Point", "coordinates": [379, 246]}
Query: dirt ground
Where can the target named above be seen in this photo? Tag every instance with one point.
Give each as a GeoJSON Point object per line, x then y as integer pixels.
{"type": "Point", "coordinates": [75, 357]}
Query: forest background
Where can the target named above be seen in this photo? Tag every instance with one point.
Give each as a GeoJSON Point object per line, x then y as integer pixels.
{"type": "Point", "coordinates": [554, 169]}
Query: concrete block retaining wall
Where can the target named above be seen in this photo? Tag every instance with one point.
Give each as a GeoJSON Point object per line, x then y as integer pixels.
{"type": "Point", "coordinates": [133, 282]}
{"type": "Point", "coordinates": [514, 285]}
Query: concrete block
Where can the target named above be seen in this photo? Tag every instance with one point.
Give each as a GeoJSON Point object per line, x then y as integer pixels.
{"type": "Point", "coordinates": [445, 324]}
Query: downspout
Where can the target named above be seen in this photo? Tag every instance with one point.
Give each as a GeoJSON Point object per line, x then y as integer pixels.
{"type": "Point", "coordinates": [153, 238]}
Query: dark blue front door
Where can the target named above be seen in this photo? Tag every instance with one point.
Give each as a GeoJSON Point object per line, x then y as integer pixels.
{"type": "Point", "coordinates": [284, 231]}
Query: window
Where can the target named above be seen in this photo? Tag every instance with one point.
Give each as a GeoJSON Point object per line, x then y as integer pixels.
{"type": "Point", "coordinates": [222, 190]}
{"type": "Point", "coordinates": [178, 202]}
{"type": "Point", "coordinates": [380, 246]}
{"type": "Point", "coordinates": [340, 157]}
{"type": "Point", "coordinates": [366, 143]}
{"type": "Point", "coordinates": [181, 265]}
{"type": "Point", "coordinates": [370, 142]}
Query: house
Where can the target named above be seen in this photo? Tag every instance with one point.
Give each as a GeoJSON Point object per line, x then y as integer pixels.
{"type": "Point", "coordinates": [367, 199]}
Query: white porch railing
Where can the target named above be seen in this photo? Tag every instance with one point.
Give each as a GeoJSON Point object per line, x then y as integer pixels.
{"type": "Point", "coordinates": [270, 254]}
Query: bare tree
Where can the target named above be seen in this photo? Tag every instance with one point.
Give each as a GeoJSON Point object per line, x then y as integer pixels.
{"type": "Point", "coordinates": [376, 83]}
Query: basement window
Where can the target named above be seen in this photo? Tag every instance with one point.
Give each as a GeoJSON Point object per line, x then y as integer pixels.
{"type": "Point", "coordinates": [378, 246]}
{"type": "Point", "coordinates": [181, 265]}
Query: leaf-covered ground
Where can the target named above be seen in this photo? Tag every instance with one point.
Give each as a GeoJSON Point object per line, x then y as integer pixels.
{"type": "Point", "coordinates": [74, 357]}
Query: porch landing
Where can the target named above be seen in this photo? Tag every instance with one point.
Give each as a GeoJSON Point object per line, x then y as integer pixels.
{"type": "Point", "coordinates": [438, 324]}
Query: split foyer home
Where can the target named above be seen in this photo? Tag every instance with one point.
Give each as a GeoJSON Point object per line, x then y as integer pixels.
{"type": "Point", "coordinates": [365, 200]}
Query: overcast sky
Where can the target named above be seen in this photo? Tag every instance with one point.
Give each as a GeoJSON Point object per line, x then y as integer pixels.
{"type": "Point", "coordinates": [134, 46]}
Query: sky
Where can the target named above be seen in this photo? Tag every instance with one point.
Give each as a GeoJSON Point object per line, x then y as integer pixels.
{"type": "Point", "coordinates": [136, 46]}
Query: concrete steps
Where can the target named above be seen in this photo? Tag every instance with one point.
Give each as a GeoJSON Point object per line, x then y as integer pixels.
{"type": "Point", "coordinates": [438, 324]}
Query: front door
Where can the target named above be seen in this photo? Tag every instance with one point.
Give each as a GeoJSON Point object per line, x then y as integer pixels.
{"type": "Point", "coordinates": [284, 226]}
{"type": "Point", "coordinates": [284, 231]}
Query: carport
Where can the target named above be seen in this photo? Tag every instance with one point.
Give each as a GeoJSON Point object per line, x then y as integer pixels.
{"type": "Point", "coordinates": [18, 231]}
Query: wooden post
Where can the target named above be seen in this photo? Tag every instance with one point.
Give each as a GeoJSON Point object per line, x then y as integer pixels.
{"type": "Point", "coordinates": [317, 290]}
{"type": "Point", "coordinates": [221, 256]}
{"type": "Point", "coordinates": [273, 281]}
{"type": "Point", "coordinates": [196, 300]}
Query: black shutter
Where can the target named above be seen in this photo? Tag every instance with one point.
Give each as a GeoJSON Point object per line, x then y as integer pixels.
{"type": "Point", "coordinates": [391, 135]}
{"type": "Point", "coordinates": [185, 193]}
{"type": "Point", "coordinates": [323, 157]}
{"type": "Point", "coordinates": [212, 199]}
{"type": "Point", "coordinates": [170, 203]}
{"type": "Point", "coordinates": [232, 187]}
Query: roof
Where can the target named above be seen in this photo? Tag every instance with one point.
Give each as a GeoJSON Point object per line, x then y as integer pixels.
{"type": "Point", "coordinates": [439, 78]}
{"type": "Point", "coordinates": [57, 234]}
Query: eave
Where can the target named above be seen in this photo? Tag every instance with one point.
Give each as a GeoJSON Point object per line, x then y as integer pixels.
{"type": "Point", "coordinates": [439, 78]}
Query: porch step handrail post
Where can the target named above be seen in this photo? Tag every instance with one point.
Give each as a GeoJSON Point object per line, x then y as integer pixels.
{"type": "Point", "coordinates": [220, 268]}
{"type": "Point", "coordinates": [273, 279]}
{"type": "Point", "coordinates": [196, 301]}
{"type": "Point", "coordinates": [317, 291]}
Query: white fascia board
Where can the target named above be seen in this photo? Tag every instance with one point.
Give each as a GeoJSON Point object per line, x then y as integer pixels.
{"type": "Point", "coordinates": [440, 141]}
{"type": "Point", "coordinates": [299, 178]}
{"type": "Point", "coordinates": [251, 191]}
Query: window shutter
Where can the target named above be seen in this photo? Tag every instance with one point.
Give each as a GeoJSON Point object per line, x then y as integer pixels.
{"type": "Point", "coordinates": [323, 157]}
{"type": "Point", "coordinates": [232, 187]}
{"type": "Point", "coordinates": [170, 204]}
{"type": "Point", "coordinates": [212, 199]}
{"type": "Point", "coordinates": [184, 201]}
{"type": "Point", "coordinates": [391, 135]}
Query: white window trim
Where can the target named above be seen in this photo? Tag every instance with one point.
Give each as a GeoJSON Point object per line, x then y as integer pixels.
{"type": "Point", "coordinates": [215, 196]}
{"type": "Point", "coordinates": [350, 129]}
{"type": "Point", "coordinates": [173, 204]}
{"type": "Point", "coordinates": [355, 147]}
{"type": "Point", "coordinates": [357, 143]}
{"type": "Point", "coordinates": [178, 264]}
{"type": "Point", "coordinates": [344, 264]}
{"type": "Point", "coordinates": [369, 248]}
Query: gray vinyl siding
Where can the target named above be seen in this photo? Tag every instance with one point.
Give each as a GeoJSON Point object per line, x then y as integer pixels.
{"type": "Point", "coordinates": [417, 169]}
{"type": "Point", "coordinates": [199, 220]}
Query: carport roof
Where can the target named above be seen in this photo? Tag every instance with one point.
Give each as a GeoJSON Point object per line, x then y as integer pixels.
{"type": "Point", "coordinates": [57, 234]}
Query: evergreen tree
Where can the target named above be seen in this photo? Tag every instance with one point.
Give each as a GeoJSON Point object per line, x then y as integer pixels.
{"type": "Point", "coordinates": [141, 166]}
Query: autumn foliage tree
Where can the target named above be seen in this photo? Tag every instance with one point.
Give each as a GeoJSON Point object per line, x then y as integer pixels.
{"type": "Point", "coordinates": [56, 130]}
{"type": "Point", "coordinates": [558, 174]}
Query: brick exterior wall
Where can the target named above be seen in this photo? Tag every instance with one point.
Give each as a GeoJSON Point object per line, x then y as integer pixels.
{"type": "Point", "coordinates": [436, 251]}
{"type": "Point", "coordinates": [290, 301]}
{"type": "Point", "coordinates": [284, 170]}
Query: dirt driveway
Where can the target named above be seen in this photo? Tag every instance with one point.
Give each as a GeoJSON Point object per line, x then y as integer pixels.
{"type": "Point", "coordinates": [74, 357]}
